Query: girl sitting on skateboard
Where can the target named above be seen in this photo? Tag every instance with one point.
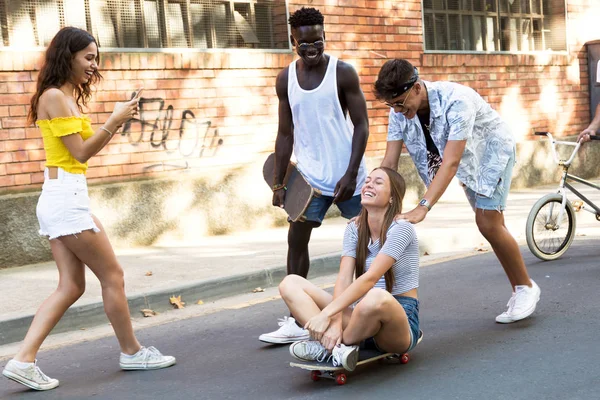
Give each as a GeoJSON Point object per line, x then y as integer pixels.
{"type": "Point", "coordinates": [380, 305]}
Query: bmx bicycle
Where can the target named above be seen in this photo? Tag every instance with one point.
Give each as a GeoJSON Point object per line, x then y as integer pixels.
{"type": "Point", "coordinates": [550, 227]}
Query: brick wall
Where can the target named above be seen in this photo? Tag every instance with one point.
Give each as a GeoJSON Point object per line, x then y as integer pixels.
{"type": "Point", "coordinates": [217, 111]}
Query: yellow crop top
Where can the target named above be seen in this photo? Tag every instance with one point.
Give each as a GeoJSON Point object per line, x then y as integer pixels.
{"type": "Point", "coordinates": [57, 154]}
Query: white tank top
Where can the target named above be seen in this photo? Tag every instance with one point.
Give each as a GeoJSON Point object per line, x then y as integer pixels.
{"type": "Point", "coordinates": [322, 135]}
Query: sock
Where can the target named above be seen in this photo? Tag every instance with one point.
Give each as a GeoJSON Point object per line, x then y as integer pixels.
{"type": "Point", "coordinates": [22, 365]}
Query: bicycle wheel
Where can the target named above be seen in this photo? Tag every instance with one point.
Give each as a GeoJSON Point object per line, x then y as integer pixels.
{"type": "Point", "coordinates": [546, 238]}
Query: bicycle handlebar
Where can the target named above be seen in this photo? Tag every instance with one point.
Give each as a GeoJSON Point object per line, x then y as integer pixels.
{"type": "Point", "coordinates": [554, 142]}
{"type": "Point", "coordinates": [592, 137]}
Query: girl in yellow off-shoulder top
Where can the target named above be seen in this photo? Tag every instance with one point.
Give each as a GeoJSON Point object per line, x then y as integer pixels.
{"type": "Point", "coordinates": [76, 236]}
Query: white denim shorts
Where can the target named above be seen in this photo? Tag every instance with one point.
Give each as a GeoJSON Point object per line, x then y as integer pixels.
{"type": "Point", "coordinates": [64, 206]}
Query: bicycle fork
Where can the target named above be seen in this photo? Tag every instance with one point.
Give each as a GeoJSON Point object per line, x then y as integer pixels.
{"type": "Point", "coordinates": [555, 225]}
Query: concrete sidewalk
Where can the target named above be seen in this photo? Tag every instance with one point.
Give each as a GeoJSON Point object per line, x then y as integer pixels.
{"type": "Point", "coordinates": [209, 268]}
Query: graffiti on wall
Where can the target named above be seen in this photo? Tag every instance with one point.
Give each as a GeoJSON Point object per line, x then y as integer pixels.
{"type": "Point", "coordinates": [155, 126]}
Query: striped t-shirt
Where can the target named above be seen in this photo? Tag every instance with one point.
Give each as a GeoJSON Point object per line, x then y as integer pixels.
{"type": "Point", "coordinates": [401, 244]}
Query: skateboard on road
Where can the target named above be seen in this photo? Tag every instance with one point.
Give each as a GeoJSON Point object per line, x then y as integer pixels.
{"type": "Point", "coordinates": [298, 194]}
{"type": "Point", "coordinates": [320, 370]}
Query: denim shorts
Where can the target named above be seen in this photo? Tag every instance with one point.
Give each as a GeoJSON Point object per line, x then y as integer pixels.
{"type": "Point", "coordinates": [497, 201]}
{"type": "Point", "coordinates": [316, 210]}
{"type": "Point", "coordinates": [64, 206]}
{"type": "Point", "coordinates": [411, 307]}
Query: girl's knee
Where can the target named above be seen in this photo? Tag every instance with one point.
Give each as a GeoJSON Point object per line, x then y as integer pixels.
{"type": "Point", "coordinates": [72, 289]}
{"type": "Point", "coordinates": [374, 301]}
{"type": "Point", "coordinates": [114, 279]}
{"type": "Point", "coordinates": [290, 283]}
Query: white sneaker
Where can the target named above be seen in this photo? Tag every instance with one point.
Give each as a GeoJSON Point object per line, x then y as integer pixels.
{"type": "Point", "coordinates": [288, 332]}
{"type": "Point", "coordinates": [521, 304]}
{"type": "Point", "coordinates": [346, 356]}
{"type": "Point", "coordinates": [309, 350]}
{"type": "Point", "coordinates": [30, 376]}
{"type": "Point", "coordinates": [145, 358]}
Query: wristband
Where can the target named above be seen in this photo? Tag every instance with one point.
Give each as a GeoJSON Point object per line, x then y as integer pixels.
{"type": "Point", "coordinates": [110, 134]}
{"type": "Point", "coordinates": [279, 186]}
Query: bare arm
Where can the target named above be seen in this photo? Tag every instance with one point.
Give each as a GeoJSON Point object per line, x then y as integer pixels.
{"type": "Point", "coordinates": [595, 124]}
{"type": "Point", "coordinates": [393, 149]}
{"type": "Point", "coordinates": [54, 103]}
{"type": "Point", "coordinates": [360, 286]}
{"type": "Point", "coordinates": [461, 119]}
{"type": "Point", "coordinates": [333, 335]}
{"type": "Point", "coordinates": [349, 84]}
{"type": "Point", "coordinates": [592, 129]}
{"type": "Point", "coordinates": [452, 155]}
{"type": "Point", "coordinates": [357, 109]}
{"type": "Point", "coordinates": [284, 143]}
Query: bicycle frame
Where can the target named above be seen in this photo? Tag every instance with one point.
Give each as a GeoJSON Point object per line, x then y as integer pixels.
{"type": "Point", "coordinates": [565, 164]}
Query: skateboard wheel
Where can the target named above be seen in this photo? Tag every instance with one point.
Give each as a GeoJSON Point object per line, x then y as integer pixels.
{"type": "Point", "coordinates": [315, 375]}
{"type": "Point", "coordinates": [340, 379]}
{"type": "Point", "coordinates": [404, 358]}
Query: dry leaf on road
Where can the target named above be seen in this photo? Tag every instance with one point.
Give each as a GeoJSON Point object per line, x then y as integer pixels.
{"type": "Point", "coordinates": [200, 302]}
{"type": "Point", "coordinates": [149, 273]}
{"type": "Point", "coordinates": [258, 289]}
{"type": "Point", "coordinates": [176, 301]}
{"type": "Point", "coordinates": [146, 312]}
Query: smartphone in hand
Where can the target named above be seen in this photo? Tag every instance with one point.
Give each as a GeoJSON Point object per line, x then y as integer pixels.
{"type": "Point", "coordinates": [136, 94]}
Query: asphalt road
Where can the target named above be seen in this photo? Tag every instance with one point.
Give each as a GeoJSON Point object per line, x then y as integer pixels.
{"type": "Point", "coordinates": [464, 354]}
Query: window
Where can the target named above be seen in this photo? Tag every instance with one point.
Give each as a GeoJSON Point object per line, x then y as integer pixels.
{"type": "Point", "coordinates": [495, 25]}
{"type": "Point", "coordinates": [200, 24]}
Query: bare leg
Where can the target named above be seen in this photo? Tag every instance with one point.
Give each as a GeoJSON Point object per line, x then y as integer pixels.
{"type": "Point", "coordinates": [380, 315]}
{"type": "Point", "coordinates": [95, 250]}
{"type": "Point", "coordinates": [71, 285]}
{"type": "Point", "coordinates": [303, 298]}
{"type": "Point", "coordinates": [298, 261]}
{"type": "Point", "coordinates": [491, 225]}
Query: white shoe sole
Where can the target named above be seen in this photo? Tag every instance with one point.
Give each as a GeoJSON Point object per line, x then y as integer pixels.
{"type": "Point", "coordinates": [282, 340]}
{"type": "Point", "coordinates": [28, 383]}
{"type": "Point", "coordinates": [350, 360]}
{"type": "Point", "coordinates": [523, 315]}
{"type": "Point", "coordinates": [141, 367]}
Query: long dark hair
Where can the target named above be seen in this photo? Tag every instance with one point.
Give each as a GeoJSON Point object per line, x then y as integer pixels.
{"type": "Point", "coordinates": [397, 191]}
{"type": "Point", "coordinates": [56, 70]}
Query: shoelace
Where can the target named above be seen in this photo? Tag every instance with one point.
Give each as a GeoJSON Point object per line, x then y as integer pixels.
{"type": "Point", "coordinates": [336, 356]}
{"type": "Point", "coordinates": [317, 350]}
{"type": "Point", "coordinates": [286, 323]}
{"type": "Point", "coordinates": [39, 374]}
{"type": "Point", "coordinates": [149, 354]}
{"type": "Point", "coordinates": [511, 303]}
{"type": "Point", "coordinates": [519, 293]}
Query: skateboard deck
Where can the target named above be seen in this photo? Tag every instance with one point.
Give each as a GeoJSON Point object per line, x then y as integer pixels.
{"type": "Point", "coordinates": [328, 371]}
{"type": "Point", "coordinates": [299, 193]}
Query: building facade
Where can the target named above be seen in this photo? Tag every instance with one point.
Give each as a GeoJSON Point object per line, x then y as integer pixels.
{"type": "Point", "coordinates": [208, 69]}
{"type": "Point", "coordinates": [190, 163]}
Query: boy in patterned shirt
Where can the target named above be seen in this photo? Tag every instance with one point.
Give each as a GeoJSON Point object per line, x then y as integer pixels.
{"type": "Point", "coordinates": [457, 133]}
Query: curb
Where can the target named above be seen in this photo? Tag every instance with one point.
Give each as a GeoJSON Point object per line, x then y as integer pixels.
{"type": "Point", "coordinates": [84, 316]}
